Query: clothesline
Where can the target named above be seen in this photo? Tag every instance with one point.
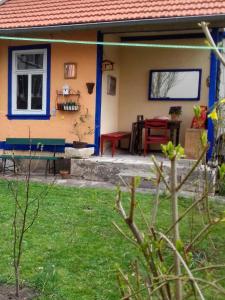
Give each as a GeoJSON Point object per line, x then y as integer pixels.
{"type": "Point", "coordinates": [118, 44]}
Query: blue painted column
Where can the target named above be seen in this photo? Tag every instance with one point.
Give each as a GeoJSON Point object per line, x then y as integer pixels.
{"type": "Point", "coordinates": [98, 102]}
{"type": "Point", "coordinates": [214, 65]}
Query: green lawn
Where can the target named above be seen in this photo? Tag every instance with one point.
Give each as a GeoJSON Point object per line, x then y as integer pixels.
{"type": "Point", "coordinates": [73, 249]}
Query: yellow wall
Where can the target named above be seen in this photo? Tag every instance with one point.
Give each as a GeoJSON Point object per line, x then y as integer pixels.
{"type": "Point", "coordinates": [61, 123]}
{"type": "Point", "coordinates": [135, 64]}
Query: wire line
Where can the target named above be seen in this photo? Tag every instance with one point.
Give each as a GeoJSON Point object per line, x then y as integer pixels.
{"type": "Point", "coordinates": [79, 42]}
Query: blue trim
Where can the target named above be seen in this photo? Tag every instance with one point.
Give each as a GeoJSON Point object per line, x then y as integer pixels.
{"type": "Point", "coordinates": [98, 93]}
{"type": "Point", "coordinates": [175, 99]}
{"type": "Point", "coordinates": [45, 116]}
{"type": "Point", "coordinates": [25, 147]}
{"type": "Point", "coordinates": [5, 146]}
{"type": "Point", "coordinates": [28, 117]}
{"type": "Point", "coordinates": [2, 144]}
{"type": "Point", "coordinates": [212, 91]}
{"type": "Point", "coordinates": [162, 37]}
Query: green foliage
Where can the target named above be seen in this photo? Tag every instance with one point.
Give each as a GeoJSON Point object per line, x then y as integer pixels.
{"type": "Point", "coordinates": [179, 246]}
{"type": "Point", "coordinates": [204, 139]}
{"type": "Point", "coordinates": [137, 181]}
{"type": "Point", "coordinates": [221, 179]}
{"type": "Point", "coordinates": [197, 111]}
{"type": "Point", "coordinates": [172, 152]}
{"type": "Point", "coordinates": [221, 171]}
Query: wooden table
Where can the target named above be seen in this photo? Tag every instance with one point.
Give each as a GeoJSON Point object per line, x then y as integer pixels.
{"type": "Point", "coordinates": [114, 137]}
{"type": "Point", "coordinates": [136, 135]}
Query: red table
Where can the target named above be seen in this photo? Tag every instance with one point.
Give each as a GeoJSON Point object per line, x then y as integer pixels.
{"type": "Point", "coordinates": [114, 137]}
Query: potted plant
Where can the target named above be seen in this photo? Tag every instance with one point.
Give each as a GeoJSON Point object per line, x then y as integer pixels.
{"type": "Point", "coordinates": [175, 112]}
{"type": "Point", "coordinates": [82, 128]}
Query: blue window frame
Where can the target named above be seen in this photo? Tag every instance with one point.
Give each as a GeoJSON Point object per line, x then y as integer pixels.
{"type": "Point", "coordinates": [29, 70]}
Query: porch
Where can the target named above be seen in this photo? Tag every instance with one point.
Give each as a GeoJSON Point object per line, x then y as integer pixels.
{"type": "Point", "coordinates": [132, 67]}
{"type": "Point", "coordinates": [120, 169]}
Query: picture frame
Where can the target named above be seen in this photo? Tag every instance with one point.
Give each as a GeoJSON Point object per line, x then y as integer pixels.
{"type": "Point", "coordinates": [111, 85]}
{"type": "Point", "coordinates": [70, 70]}
{"type": "Point", "coordinates": [175, 84]}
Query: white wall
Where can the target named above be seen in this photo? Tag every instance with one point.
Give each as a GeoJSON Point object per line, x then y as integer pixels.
{"type": "Point", "coordinates": [110, 104]}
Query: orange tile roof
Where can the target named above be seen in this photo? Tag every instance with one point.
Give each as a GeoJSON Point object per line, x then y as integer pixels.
{"type": "Point", "coordinates": [35, 13]}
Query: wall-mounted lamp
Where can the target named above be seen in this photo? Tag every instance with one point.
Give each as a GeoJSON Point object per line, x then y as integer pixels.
{"type": "Point", "coordinates": [90, 87]}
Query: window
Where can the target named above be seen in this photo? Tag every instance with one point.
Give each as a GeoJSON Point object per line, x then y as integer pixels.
{"type": "Point", "coordinates": [29, 88]}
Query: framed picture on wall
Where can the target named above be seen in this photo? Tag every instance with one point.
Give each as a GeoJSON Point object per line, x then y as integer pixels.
{"type": "Point", "coordinates": [70, 71]}
{"type": "Point", "coordinates": [175, 84]}
{"type": "Point", "coordinates": [111, 85]}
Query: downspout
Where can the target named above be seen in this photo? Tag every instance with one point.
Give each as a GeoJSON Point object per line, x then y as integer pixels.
{"type": "Point", "coordinates": [98, 102]}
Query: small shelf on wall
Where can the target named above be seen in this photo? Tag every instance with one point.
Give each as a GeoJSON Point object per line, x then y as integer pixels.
{"type": "Point", "coordinates": [68, 101]}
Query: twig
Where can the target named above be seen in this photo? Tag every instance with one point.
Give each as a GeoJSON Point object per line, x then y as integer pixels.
{"type": "Point", "coordinates": [192, 169]}
{"type": "Point", "coordinates": [185, 213]}
{"type": "Point", "coordinates": [160, 173]}
{"type": "Point", "coordinates": [123, 234]}
{"type": "Point", "coordinates": [128, 285]}
{"type": "Point", "coordinates": [184, 265]}
{"type": "Point", "coordinates": [156, 204]}
{"type": "Point", "coordinates": [133, 201]}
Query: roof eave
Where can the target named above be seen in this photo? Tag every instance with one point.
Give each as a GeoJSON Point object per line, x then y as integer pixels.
{"type": "Point", "coordinates": [215, 20]}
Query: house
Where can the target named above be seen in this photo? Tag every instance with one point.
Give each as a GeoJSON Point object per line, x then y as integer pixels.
{"type": "Point", "coordinates": [38, 61]}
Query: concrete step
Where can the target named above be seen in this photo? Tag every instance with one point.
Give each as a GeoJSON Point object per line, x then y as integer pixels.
{"type": "Point", "coordinates": [120, 171]}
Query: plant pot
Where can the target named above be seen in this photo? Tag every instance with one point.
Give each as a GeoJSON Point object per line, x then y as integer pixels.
{"type": "Point", "coordinates": [79, 144]}
{"type": "Point", "coordinates": [175, 117]}
{"type": "Point", "coordinates": [64, 174]}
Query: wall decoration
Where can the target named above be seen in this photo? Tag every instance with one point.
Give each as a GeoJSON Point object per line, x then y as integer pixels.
{"type": "Point", "coordinates": [90, 87]}
{"type": "Point", "coordinates": [70, 71]}
{"type": "Point", "coordinates": [175, 84]}
{"type": "Point", "coordinates": [111, 85]}
{"type": "Point", "coordinates": [107, 65]}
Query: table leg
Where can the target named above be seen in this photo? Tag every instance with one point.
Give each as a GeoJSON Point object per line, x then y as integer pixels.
{"type": "Point", "coordinates": [102, 145]}
{"type": "Point", "coordinates": [172, 135]}
{"type": "Point", "coordinates": [119, 144]}
{"type": "Point", "coordinates": [113, 147]}
{"type": "Point", "coordinates": [177, 136]}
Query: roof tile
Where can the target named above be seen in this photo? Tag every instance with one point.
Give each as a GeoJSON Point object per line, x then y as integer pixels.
{"type": "Point", "coordinates": [32, 13]}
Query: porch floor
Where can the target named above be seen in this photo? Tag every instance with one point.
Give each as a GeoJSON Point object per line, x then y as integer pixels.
{"type": "Point", "coordinates": [123, 156]}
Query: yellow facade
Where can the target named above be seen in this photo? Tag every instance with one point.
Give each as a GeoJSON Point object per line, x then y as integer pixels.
{"type": "Point", "coordinates": [61, 123]}
{"type": "Point", "coordinates": [132, 66]}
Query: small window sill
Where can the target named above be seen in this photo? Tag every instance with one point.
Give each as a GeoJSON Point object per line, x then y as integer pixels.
{"type": "Point", "coordinates": [28, 117]}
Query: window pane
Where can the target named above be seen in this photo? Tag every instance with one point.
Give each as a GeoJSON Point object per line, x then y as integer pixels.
{"type": "Point", "coordinates": [22, 92]}
{"type": "Point", "coordinates": [36, 92]}
{"type": "Point", "coordinates": [29, 61]}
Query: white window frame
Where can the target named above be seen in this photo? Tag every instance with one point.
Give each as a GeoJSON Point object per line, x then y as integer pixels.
{"type": "Point", "coordinates": [29, 72]}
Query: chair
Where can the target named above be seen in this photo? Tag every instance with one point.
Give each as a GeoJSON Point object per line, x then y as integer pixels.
{"type": "Point", "coordinates": [160, 134]}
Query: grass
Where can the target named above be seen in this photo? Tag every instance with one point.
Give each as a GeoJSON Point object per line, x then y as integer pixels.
{"type": "Point", "coordinates": [72, 250]}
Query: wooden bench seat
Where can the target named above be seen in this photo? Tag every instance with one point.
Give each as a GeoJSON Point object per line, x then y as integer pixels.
{"type": "Point", "coordinates": [35, 148]}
